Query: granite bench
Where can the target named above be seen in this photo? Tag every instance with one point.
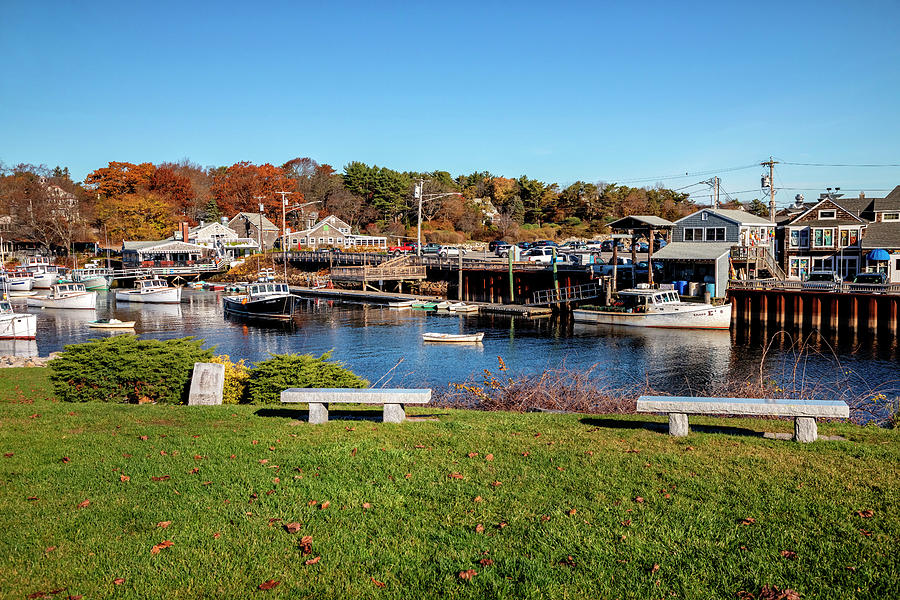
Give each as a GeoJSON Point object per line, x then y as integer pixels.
{"type": "Point", "coordinates": [803, 411]}
{"type": "Point", "coordinates": [320, 398]}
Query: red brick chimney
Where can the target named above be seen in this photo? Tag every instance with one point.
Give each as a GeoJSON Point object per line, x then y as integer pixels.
{"type": "Point", "coordinates": [185, 231]}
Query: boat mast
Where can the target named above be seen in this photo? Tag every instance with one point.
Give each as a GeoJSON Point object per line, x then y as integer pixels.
{"type": "Point", "coordinates": [284, 231]}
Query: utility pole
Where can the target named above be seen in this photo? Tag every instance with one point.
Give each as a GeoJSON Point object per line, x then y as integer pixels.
{"type": "Point", "coordinates": [771, 164]}
{"type": "Point", "coordinates": [419, 192]}
{"type": "Point", "coordinates": [284, 232]}
{"type": "Point", "coordinates": [716, 192]}
{"type": "Point", "coordinates": [259, 231]}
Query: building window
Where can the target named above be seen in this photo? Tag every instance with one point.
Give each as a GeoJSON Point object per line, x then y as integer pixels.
{"type": "Point", "coordinates": [849, 237]}
{"type": "Point", "coordinates": [827, 214]}
{"type": "Point", "coordinates": [823, 264]}
{"type": "Point", "coordinates": [823, 238]}
{"type": "Point", "coordinates": [704, 216]}
{"type": "Point", "coordinates": [799, 268]}
{"type": "Point", "coordinates": [795, 238]}
{"type": "Point", "coordinates": [330, 240]}
{"type": "Point", "coordinates": [693, 234]}
{"type": "Point", "coordinates": [321, 240]}
{"type": "Point", "coordinates": [715, 234]}
{"type": "Point", "coordinates": [890, 217]}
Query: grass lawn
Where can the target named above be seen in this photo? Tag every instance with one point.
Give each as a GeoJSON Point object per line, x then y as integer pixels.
{"type": "Point", "coordinates": [535, 505]}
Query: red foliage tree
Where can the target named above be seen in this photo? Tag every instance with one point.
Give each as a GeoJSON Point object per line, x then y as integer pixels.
{"type": "Point", "coordinates": [175, 189]}
{"type": "Point", "coordinates": [237, 187]}
{"type": "Point", "coordinates": [120, 178]}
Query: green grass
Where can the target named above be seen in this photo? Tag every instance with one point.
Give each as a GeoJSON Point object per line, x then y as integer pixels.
{"type": "Point", "coordinates": [421, 529]}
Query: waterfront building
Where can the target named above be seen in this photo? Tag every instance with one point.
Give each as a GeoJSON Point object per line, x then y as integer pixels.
{"type": "Point", "coordinates": [256, 227]}
{"type": "Point", "coordinates": [222, 239]}
{"type": "Point", "coordinates": [332, 232]}
{"type": "Point", "coordinates": [840, 235]}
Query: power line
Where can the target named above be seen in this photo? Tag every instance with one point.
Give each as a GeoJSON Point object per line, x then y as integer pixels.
{"type": "Point", "coordinates": [839, 164]}
{"type": "Point", "coordinates": [694, 174]}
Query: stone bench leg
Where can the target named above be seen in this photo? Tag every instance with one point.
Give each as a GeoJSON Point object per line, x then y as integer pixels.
{"type": "Point", "coordinates": [678, 424]}
{"type": "Point", "coordinates": [394, 413]}
{"type": "Point", "coordinates": [318, 413]}
{"type": "Point", "coordinates": [805, 429]}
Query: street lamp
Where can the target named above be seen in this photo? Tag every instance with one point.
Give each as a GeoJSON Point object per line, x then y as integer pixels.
{"type": "Point", "coordinates": [419, 194]}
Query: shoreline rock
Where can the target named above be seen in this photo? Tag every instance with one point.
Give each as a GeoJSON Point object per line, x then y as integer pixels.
{"type": "Point", "coordinates": [26, 361]}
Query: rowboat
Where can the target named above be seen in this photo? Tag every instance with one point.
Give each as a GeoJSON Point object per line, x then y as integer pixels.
{"type": "Point", "coordinates": [445, 305]}
{"type": "Point", "coordinates": [401, 304]}
{"type": "Point", "coordinates": [424, 305]}
{"type": "Point", "coordinates": [453, 337]}
{"type": "Point", "coordinates": [111, 324]}
{"type": "Point", "coordinates": [462, 307]}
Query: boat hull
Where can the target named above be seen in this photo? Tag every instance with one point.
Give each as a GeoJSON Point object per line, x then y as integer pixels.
{"type": "Point", "coordinates": [450, 338]}
{"type": "Point", "coordinates": [163, 296]}
{"type": "Point", "coordinates": [280, 307]}
{"type": "Point", "coordinates": [120, 325]}
{"type": "Point", "coordinates": [82, 301]}
{"type": "Point", "coordinates": [20, 284]}
{"type": "Point", "coordinates": [18, 326]}
{"type": "Point", "coordinates": [44, 281]}
{"type": "Point", "coordinates": [95, 283]}
{"type": "Point", "coordinates": [705, 317]}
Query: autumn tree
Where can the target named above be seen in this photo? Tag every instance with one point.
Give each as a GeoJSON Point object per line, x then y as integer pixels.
{"type": "Point", "coordinates": [120, 178]}
{"type": "Point", "coordinates": [242, 186]}
{"type": "Point", "coordinates": [176, 190]}
{"type": "Point", "coordinates": [138, 216]}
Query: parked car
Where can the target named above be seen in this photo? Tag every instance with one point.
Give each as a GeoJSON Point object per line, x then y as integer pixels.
{"type": "Point", "coordinates": [524, 245]}
{"type": "Point", "coordinates": [445, 251]}
{"type": "Point", "coordinates": [492, 246]}
{"type": "Point", "coordinates": [404, 248]}
{"type": "Point", "coordinates": [641, 267]}
{"type": "Point", "coordinates": [821, 280]}
{"type": "Point", "coordinates": [573, 246]}
{"type": "Point", "coordinates": [431, 248]}
{"type": "Point", "coordinates": [870, 278]}
{"type": "Point", "coordinates": [607, 245]}
{"type": "Point", "coordinates": [502, 249]}
{"type": "Point", "coordinates": [642, 247]}
{"type": "Point", "coordinates": [539, 255]}
{"type": "Point", "coordinates": [544, 243]}
{"type": "Point", "coordinates": [659, 243]}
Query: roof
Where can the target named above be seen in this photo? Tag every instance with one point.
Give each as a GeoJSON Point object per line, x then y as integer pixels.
{"type": "Point", "coordinates": [741, 217]}
{"type": "Point", "coordinates": [855, 206]}
{"type": "Point", "coordinates": [640, 222]}
{"type": "Point", "coordinates": [882, 235]}
{"type": "Point", "coordinates": [889, 202]}
{"type": "Point", "coordinates": [161, 245]}
{"type": "Point", "coordinates": [693, 251]}
{"type": "Point", "coordinates": [254, 218]}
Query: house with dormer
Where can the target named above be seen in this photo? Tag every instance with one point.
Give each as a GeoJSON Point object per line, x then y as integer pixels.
{"type": "Point", "coordinates": [220, 238]}
{"type": "Point", "coordinates": [838, 234]}
{"type": "Point", "coordinates": [332, 232]}
{"type": "Point", "coordinates": [254, 226]}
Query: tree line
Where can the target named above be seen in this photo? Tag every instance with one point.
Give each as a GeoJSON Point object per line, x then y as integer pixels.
{"type": "Point", "coordinates": [128, 201]}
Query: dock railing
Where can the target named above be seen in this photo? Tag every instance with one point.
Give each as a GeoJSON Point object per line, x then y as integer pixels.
{"type": "Point", "coordinates": [574, 293]}
{"type": "Point", "coordinates": [814, 286]}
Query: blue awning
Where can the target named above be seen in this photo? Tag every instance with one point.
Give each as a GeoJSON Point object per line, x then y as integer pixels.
{"type": "Point", "coordinates": [878, 254]}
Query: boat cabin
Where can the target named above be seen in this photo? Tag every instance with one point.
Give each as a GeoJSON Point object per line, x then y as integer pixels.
{"type": "Point", "coordinates": [262, 289]}
{"type": "Point", "coordinates": [66, 289]}
{"type": "Point", "coordinates": [643, 299]}
{"type": "Point", "coordinates": [151, 284]}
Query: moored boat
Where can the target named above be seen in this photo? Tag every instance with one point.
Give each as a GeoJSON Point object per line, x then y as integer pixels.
{"type": "Point", "coordinates": [401, 304]}
{"type": "Point", "coordinates": [19, 281]}
{"type": "Point", "coordinates": [462, 307]}
{"type": "Point", "coordinates": [157, 291]}
{"type": "Point", "coordinates": [263, 300]}
{"type": "Point", "coordinates": [111, 324]}
{"type": "Point", "coordinates": [453, 337]}
{"type": "Point", "coordinates": [92, 278]}
{"type": "Point", "coordinates": [657, 308]}
{"type": "Point", "coordinates": [16, 326]}
{"type": "Point", "coordinates": [65, 296]}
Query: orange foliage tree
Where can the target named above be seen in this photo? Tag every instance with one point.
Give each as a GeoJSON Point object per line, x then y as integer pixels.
{"type": "Point", "coordinates": [139, 216]}
{"type": "Point", "coordinates": [236, 188]}
{"type": "Point", "coordinates": [120, 178]}
{"type": "Point", "coordinates": [176, 189]}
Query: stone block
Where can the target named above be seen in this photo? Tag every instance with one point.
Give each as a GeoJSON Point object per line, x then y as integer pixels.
{"type": "Point", "coordinates": [394, 413]}
{"type": "Point", "coordinates": [678, 424]}
{"type": "Point", "coordinates": [318, 413]}
{"type": "Point", "coordinates": [207, 384]}
{"type": "Point", "coordinates": [805, 429]}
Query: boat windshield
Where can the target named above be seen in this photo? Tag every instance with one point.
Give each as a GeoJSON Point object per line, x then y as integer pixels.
{"type": "Point", "coordinates": [268, 288]}
{"type": "Point", "coordinates": [5, 307]}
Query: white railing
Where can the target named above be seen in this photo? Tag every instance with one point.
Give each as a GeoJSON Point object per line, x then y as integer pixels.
{"type": "Point", "coordinates": [814, 286]}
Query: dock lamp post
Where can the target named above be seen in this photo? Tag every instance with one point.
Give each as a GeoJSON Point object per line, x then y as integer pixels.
{"type": "Point", "coordinates": [419, 194]}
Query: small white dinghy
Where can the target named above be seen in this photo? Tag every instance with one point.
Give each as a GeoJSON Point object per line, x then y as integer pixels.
{"type": "Point", "coordinates": [111, 324]}
{"type": "Point", "coordinates": [453, 337]}
{"type": "Point", "coordinates": [462, 307]}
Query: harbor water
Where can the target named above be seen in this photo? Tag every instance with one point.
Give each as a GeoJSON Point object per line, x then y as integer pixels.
{"type": "Point", "coordinates": [385, 346]}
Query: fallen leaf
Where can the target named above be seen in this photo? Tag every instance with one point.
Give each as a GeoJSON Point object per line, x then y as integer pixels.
{"type": "Point", "coordinates": [377, 583]}
{"type": "Point", "coordinates": [408, 475]}
{"type": "Point", "coordinates": [560, 469]}
{"type": "Point", "coordinates": [345, 429]}
{"type": "Point", "coordinates": [477, 499]}
{"type": "Point", "coordinates": [788, 554]}
{"type": "Point", "coordinates": [689, 448]}
{"type": "Point", "coordinates": [161, 478]}
{"type": "Point", "coordinates": [632, 451]}
{"type": "Point", "coordinates": [32, 498]}
{"type": "Point", "coordinates": [234, 456]}
{"type": "Point", "coordinates": [468, 574]}
{"type": "Point", "coordinates": [472, 454]}
{"type": "Point", "coordinates": [312, 503]}
{"type": "Point", "coordinates": [773, 593]}
{"type": "Point", "coordinates": [155, 549]}
{"type": "Point", "coordinates": [124, 478]}
{"type": "Point", "coordinates": [268, 585]}
{"type": "Point", "coordinates": [217, 535]}
{"type": "Point", "coordinates": [65, 459]}
{"type": "Point", "coordinates": [194, 471]}
{"type": "Point", "coordinates": [639, 500]}
{"type": "Point", "coordinates": [164, 524]}
{"type": "Point", "coordinates": [748, 521]}
{"type": "Point", "coordinates": [366, 505]}
{"type": "Point", "coordinates": [745, 595]}
{"type": "Point", "coordinates": [572, 511]}
{"type": "Point", "coordinates": [626, 523]}
{"type": "Point", "coordinates": [485, 562]}
{"type": "Point", "coordinates": [325, 505]}
{"type": "Point", "coordinates": [76, 597]}
{"type": "Point", "coordinates": [8, 455]}
{"type": "Point", "coordinates": [479, 528]}
{"type": "Point", "coordinates": [655, 568]}
{"type": "Point", "coordinates": [306, 544]}
{"type": "Point", "coordinates": [143, 438]}
{"type": "Point", "coordinates": [545, 518]}
{"type": "Point", "coordinates": [276, 480]}
{"type": "Point", "coordinates": [568, 562]}
{"type": "Point", "coordinates": [526, 453]}
{"type": "Point", "coordinates": [198, 457]}
{"type": "Point", "coordinates": [118, 580]}
{"type": "Point", "coordinates": [417, 446]}
{"type": "Point", "coordinates": [865, 514]}
{"type": "Point", "coordinates": [293, 527]}
{"type": "Point", "coordinates": [34, 416]}
{"type": "Point", "coordinates": [488, 457]}
{"type": "Point", "coordinates": [497, 483]}
{"type": "Point", "coordinates": [50, 549]}
{"type": "Point", "coordinates": [866, 532]}
{"type": "Point", "coordinates": [263, 461]}
{"type": "Point", "coordinates": [501, 525]}
{"type": "Point", "coordinates": [455, 475]}
{"type": "Point", "coordinates": [353, 452]}
{"type": "Point", "coordinates": [313, 561]}
{"type": "Point", "coordinates": [254, 442]}
{"type": "Point", "coordinates": [84, 504]}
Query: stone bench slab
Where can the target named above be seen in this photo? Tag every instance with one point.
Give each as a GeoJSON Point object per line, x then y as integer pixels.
{"type": "Point", "coordinates": [392, 399]}
{"type": "Point", "coordinates": [778, 407]}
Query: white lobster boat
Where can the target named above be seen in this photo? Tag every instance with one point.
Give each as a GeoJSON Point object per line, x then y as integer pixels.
{"type": "Point", "coordinates": [18, 281]}
{"type": "Point", "coordinates": [45, 274]}
{"type": "Point", "coordinates": [16, 326]}
{"type": "Point", "coordinates": [65, 295]}
{"type": "Point", "coordinates": [92, 278]}
{"type": "Point", "coordinates": [157, 291]}
{"type": "Point", "coordinates": [657, 308]}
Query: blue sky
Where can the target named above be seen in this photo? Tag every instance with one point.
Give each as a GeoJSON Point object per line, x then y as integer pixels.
{"type": "Point", "coordinates": [557, 91]}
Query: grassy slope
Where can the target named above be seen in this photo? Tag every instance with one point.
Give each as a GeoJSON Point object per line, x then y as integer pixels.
{"type": "Point", "coordinates": [420, 530]}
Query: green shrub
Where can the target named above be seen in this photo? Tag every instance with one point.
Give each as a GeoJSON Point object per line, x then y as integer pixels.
{"type": "Point", "coordinates": [124, 368]}
{"type": "Point", "coordinates": [270, 377]}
